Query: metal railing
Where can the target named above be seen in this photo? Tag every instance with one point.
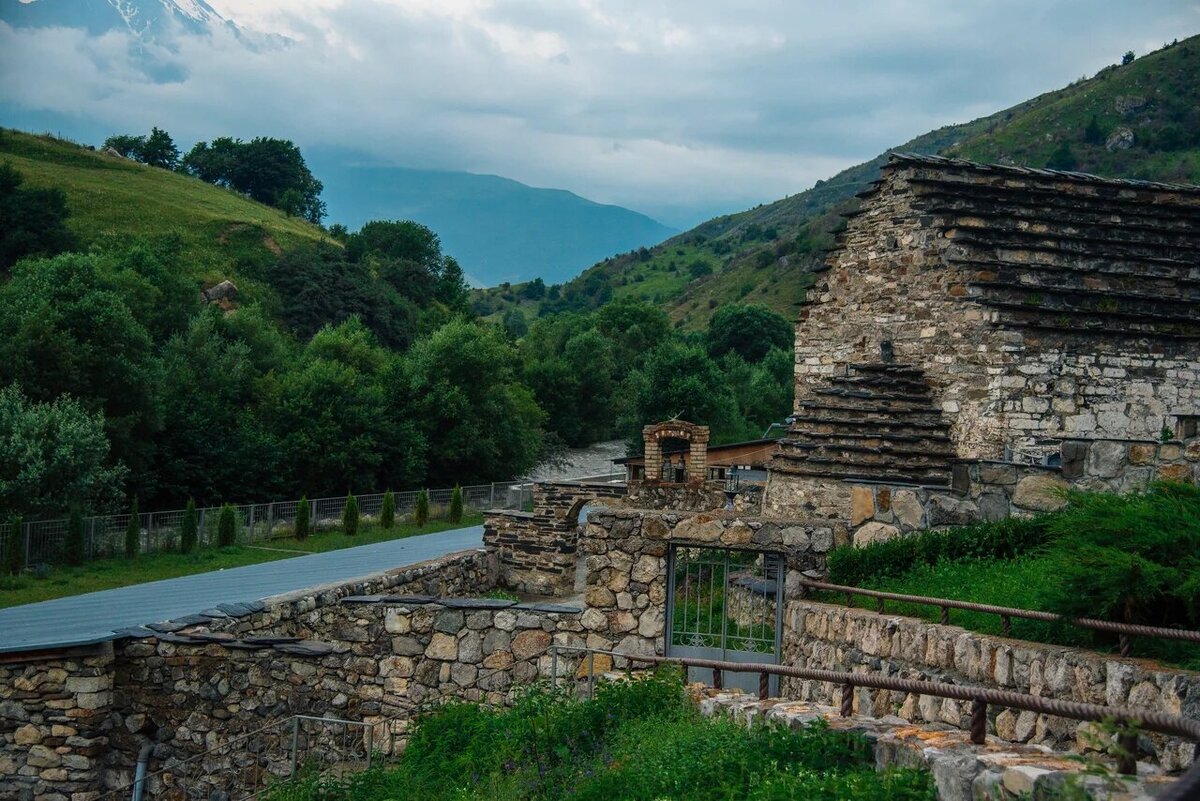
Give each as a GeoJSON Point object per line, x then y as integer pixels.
{"type": "Point", "coordinates": [251, 764]}
{"type": "Point", "coordinates": [1125, 631]}
{"type": "Point", "coordinates": [43, 541]}
{"type": "Point", "coordinates": [1128, 720]}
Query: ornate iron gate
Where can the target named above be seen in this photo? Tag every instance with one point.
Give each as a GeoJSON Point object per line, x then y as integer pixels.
{"type": "Point", "coordinates": [725, 604]}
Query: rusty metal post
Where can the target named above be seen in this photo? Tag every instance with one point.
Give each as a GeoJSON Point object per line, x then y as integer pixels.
{"type": "Point", "coordinates": [1127, 745]}
{"type": "Point", "coordinates": [764, 686]}
{"type": "Point", "coordinates": [718, 679]}
{"type": "Point", "coordinates": [1126, 644]}
{"type": "Point", "coordinates": [978, 721]}
{"type": "Point", "coordinates": [847, 700]}
{"type": "Point", "coordinates": [945, 616]}
{"type": "Point", "coordinates": [1006, 625]}
{"type": "Point", "coordinates": [879, 606]}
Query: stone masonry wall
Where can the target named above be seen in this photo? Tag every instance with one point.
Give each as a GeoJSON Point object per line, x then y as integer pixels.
{"type": "Point", "coordinates": [1031, 314]}
{"type": "Point", "coordinates": [705, 497]}
{"type": "Point", "coordinates": [536, 551]}
{"type": "Point", "coordinates": [54, 730]}
{"type": "Point", "coordinates": [831, 637]}
{"type": "Point", "coordinates": [626, 561]}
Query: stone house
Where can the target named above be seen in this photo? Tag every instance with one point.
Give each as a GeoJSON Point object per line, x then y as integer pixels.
{"type": "Point", "coordinates": [992, 313]}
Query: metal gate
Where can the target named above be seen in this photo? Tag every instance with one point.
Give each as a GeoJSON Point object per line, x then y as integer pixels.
{"type": "Point", "coordinates": [725, 604]}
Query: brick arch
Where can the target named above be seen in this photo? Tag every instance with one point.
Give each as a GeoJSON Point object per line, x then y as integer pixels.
{"type": "Point", "coordinates": [696, 436]}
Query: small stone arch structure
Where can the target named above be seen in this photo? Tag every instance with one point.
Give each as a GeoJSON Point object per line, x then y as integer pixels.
{"type": "Point", "coordinates": [695, 463]}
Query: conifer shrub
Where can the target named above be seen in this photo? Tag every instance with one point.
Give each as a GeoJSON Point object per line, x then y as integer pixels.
{"type": "Point", "coordinates": [187, 528]}
{"type": "Point", "coordinates": [350, 516]}
{"type": "Point", "coordinates": [456, 505]}
{"type": "Point", "coordinates": [74, 547]}
{"type": "Point", "coordinates": [227, 527]}
{"type": "Point", "coordinates": [421, 513]}
{"type": "Point", "coordinates": [14, 547]}
{"type": "Point", "coordinates": [387, 514]}
{"type": "Point", "coordinates": [303, 526]}
{"type": "Point", "coordinates": [133, 532]}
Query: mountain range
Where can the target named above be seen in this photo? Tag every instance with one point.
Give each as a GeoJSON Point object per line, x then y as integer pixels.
{"type": "Point", "coordinates": [499, 230]}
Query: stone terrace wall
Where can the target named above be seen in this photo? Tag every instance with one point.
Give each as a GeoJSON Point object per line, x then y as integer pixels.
{"type": "Point", "coordinates": [626, 561]}
{"type": "Point", "coordinates": [706, 497]}
{"type": "Point", "coordinates": [536, 551]}
{"type": "Point", "coordinates": [374, 659]}
{"type": "Point", "coordinates": [839, 638]}
{"type": "Point", "coordinates": [54, 731]}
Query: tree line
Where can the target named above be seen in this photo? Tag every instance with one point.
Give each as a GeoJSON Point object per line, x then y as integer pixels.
{"type": "Point", "coordinates": [271, 171]}
{"type": "Point", "coordinates": [352, 365]}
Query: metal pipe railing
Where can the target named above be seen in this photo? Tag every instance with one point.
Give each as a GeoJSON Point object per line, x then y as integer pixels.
{"type": "Point", "coordinates": [1127, 718]}
{"type": "Point", "coordinates": [1127, 631]}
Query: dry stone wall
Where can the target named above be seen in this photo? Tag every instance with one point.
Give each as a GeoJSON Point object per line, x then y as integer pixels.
{"type": "Point", "coordinates": [1031, 315]}
{"type": "Point", "coordinates": [831, 637]}
{"type": "Point", "coordinates": [626, 563]}
{"type": "Point", "coordinates": [536, 551]}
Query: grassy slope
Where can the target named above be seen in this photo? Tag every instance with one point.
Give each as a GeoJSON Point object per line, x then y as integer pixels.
{"type": "Point", "coordinates": [764, 254]}
{"type": "Point", "coordinates": [106, 574]}
{"type": "Point", "coordinates": [220, 230]}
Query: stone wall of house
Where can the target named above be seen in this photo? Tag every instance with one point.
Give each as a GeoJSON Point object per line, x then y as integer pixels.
{"type": "Point", "coordinates": [831, 637]}
{"type": "Point", "coordinates": [626, 562]}
{"type": "Point", "coordinates": [54, 731]}
{"type": "Point", "coordinates": [1031, 315]}
{"type": "Point", "coordinates": [535, 552]}
{"type": "Point", "coordinates": [706, 497]}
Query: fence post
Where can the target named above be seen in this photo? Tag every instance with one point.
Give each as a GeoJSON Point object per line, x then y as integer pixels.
{"type": "Point", "coordinates": [492, 497]}
{"type": "Point", "coordinates": [295, 745]}
{"type": "Point", "coordinates": [200, 537]}
{"type": "Point", "coordinates": [250, 527]}
{"type": "Point", "coordinates": [28, 535]}
{"type": "Point", "coordinates": [554, 666]}
{"type": "Point", "coordinates": [370, 743]}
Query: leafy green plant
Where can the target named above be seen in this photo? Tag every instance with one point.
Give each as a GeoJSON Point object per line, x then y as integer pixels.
{"type": "Point", "coordinates": [1002, 539]}
{"type": "Point", "coordinates": [456, 505]}
{"type": "Point", "coordinates": [387, 513]}
{"type": "Point", "coordinates": [74, 547]}
{"type": "Point", "coordinates": [227, 527]}
{"type": "Point", "coordinates": [421, 513]}
{"type": "Point", "coordinates": [303, 526]}
{"type": "Point", "coordinates": [350, 516]}
{"type": "Point", "coordinates": [187, 528]}
{"type": "Point", "coordinates": [14, 547]}
{"type": "Point", "coordinates": [133, 532]}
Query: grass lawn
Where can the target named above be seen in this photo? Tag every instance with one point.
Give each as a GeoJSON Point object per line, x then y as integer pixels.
{"type": "Point", "coordinates": [107, 574]}
{"type": "Point", "coordinates": [1006, 582]}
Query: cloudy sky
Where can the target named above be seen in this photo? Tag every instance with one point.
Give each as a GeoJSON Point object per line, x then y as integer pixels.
{"type": "Point", "coordinates": [678, 109]}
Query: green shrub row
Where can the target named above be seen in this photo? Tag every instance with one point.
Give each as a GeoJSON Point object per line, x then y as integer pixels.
{"type": "Point", "coordinates": [1003, 539]}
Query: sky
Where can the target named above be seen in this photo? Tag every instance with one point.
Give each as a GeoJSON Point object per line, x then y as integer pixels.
{"type": "Point", "coordinates": [677, 109]}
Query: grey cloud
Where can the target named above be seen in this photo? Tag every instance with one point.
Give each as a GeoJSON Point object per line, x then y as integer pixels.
{"type": "Point", "coordinates": [654, 105]}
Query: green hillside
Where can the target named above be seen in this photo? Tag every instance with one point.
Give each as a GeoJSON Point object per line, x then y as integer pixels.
{"type": "Point", "coordinates": [765, 254]}
{"type": "Point", "coordinates": [220, 231]}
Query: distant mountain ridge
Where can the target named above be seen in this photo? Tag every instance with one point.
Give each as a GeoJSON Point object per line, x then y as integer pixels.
{"type": "Point", "coordinates": [1139, 120]}
{"type": "Point", "coordinates": [146, 19]}
{"type": "Point", "coordinates": [497, 228]}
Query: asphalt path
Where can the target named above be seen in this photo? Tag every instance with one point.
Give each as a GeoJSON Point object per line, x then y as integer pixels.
{"type": "Point", "coordinates": [93, 617]}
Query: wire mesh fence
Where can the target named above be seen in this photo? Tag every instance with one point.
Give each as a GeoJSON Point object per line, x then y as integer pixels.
{"type": "Point", "coordinates": [43, 541]}
{"type": "Point", "coordinates": [247, 766]}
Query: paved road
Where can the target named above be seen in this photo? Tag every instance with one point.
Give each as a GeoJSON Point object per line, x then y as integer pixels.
{"type": "Point", "coordinates": [90, 618]}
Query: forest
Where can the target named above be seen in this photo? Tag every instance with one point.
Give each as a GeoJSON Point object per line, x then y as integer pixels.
{"type": "Point", "coordinates": [353, 364]}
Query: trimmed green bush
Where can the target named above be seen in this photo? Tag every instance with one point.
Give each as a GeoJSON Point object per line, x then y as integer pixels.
{"type": "Point", "coordinates": [74, 547]}
{"type": "Point", "coordinates": [187, 528]}
{"type": "Point", "coordinates": [421, 513]}
{"type": "Point", "coordinates": [1003, 539]}
{"type": "Point", "coordinates": [387, 514]}
{"type": "Point", "coordinates": [133, 532]}
{"type": "Point", "coordinates": [1133, 558]}
{"type": "Point", "coordinates": [227, 527]}
{"type": "Point", "coordinates": [303, 527]}
{"type": "Point", "coordinates": [14, 547]}
{"type": "Point", "coordinates": [456, 505]}
{"type": "Point", "coordinates": [350, 516]}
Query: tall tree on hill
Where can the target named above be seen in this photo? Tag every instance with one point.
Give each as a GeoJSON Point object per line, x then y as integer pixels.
{"type": "Point", "coordinates": [159, 150]}
{"type": "Point", "coordinates": [747, 330]}
{"type": "Point", "coordinates": [33, 222]}
{"type": "Point", "coordinates": [269, 170]}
